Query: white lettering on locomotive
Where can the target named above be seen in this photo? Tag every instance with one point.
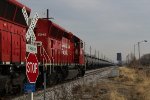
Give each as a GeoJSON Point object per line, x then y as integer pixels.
{"type": "Point", "coordinates": [64, 51]}
{"type": "Point", "coordinates": [65, 48]}
{"type": "Point", "coordinates": [41, 34]}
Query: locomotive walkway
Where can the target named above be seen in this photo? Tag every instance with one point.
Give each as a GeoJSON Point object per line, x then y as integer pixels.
{"type": "Point", "coordinates": [65, 91]}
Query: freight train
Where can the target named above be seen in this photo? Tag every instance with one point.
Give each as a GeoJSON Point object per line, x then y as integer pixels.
{"type": "Point", "coordinates": [60, 53]}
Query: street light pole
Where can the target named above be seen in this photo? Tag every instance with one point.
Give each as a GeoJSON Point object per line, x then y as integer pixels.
{"type": "Point", "coordinates": [98, 54]}
{"type": "Point", "coordinates": [90, 51]}
{"type": "Point", "coordinates": [139, 47]}
{"type": "Point", "coordinates": [134, 51]}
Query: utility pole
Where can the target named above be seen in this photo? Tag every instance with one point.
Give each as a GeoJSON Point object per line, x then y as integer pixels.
{"type": "Point", "coordinates": [134, 51]}
{"type": "Point", "coordinates": [139, 49]}
{"type": "Point", "coordinates": [98, 54]}
{"type": "Point", "coordinates": [95, 53]}
{"type": "Point", "coordinates": [90, 50]}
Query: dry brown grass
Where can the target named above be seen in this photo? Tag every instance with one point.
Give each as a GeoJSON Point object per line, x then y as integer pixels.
{"type": "Point", "coordinates": [131, 84]}
{"type": "Point", "coordinates": [136, 82]}
{"type": "Point", "coordinates": [114, 95]}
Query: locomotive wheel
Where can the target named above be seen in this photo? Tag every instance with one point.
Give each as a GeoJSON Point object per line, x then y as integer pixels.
{"type": "Point", "coordinates": [64, 72]}
{"type": "Point", "coordinates": [81, 72]}
{"type": "Point", "coordinates": [19, 89]}
{"type": "Point", "coordinates": [52, 79]}
{"type": "Point", "coordinates": [60, 77]}
{"type": "Point", "coordinates": [8, 87]}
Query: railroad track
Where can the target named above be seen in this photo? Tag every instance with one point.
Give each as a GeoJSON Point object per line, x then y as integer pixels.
{"type": "Point", "coordinates": [95, 71]}
{"type": "Point", "coordinates": [65, 88]}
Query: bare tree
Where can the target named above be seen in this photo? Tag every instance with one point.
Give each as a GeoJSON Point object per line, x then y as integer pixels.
{"type": "Point", "coordinates": [145, 60]}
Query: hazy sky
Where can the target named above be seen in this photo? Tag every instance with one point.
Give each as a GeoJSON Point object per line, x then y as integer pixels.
{"type": "Point", "coordinates": [109, 26]}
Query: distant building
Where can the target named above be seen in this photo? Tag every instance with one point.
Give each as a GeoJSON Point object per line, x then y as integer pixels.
{"type": "Point", "coordinates": [119, 58]}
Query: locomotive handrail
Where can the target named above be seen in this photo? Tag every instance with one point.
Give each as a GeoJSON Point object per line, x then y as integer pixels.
{"type": "Point", "coordinates": [44, 54]}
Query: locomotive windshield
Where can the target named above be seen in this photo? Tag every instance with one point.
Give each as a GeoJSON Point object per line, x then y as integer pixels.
{"type": "Point", "coordinates": [19, 17]}
{"type": "Point", "coordinates": [81, 45]}
{"type": "Point", "coordinates": [11, 12]}
{"type": "Point", "coordinates": [2, 7]}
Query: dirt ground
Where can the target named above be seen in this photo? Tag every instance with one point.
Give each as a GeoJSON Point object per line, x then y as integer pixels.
{"type": "Point", "coordinates": [131, 84]}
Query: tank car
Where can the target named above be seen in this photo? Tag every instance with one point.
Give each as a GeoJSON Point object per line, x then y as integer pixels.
{"type": "Point", "coordinates": [93, 62]}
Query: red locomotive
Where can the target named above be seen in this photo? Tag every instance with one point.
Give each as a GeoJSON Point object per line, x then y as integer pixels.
{"type": "Point", "coordinates": [60, 53]}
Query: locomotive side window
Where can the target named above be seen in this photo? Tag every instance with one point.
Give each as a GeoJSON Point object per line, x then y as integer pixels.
{"type": "Point", "coordinates": [76, 44]}
{"type": "Point", "coordinates": [52, 52]}
{"type": "Point", "coordinates": [76, 41]}
{"type": "Point", "coordinates": [54, 32]}
{"type": "Point", "coordinates": [52, 43]}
